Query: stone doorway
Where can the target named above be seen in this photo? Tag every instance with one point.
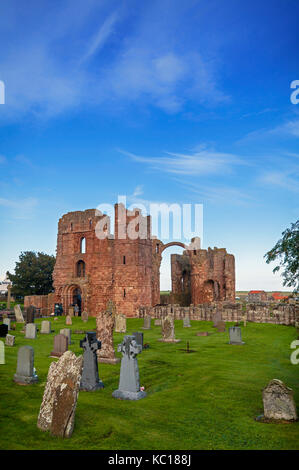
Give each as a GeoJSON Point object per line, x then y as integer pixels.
{"type": "Point", "coordinates": [77, 299]}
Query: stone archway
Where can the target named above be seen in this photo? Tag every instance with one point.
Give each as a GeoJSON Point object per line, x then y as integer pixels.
{"type": "Point", "coordinates": [73, 294]}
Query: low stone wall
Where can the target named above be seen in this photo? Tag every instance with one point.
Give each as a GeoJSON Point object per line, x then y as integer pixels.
{"type": "Point", "coordinates": [262, 312]}
{"type": "Point", "coordinates": [44, 303]}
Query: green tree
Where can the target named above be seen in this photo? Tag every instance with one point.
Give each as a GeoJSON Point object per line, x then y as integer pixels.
{"type": "Point", "coordinates": [33, 274]}
{"type": "Point", "coordinates": [286, 251]}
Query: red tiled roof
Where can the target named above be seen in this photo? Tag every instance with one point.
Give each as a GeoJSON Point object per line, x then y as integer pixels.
{"type": "Point", "coordinates": [256, 291]}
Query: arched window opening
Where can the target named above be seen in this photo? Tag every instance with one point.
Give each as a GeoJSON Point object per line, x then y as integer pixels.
{"type": "Point", "coordinates": [124, 293]}
{"type": "Point", "coordinates": [124, 260]}
{"type": "Point", "coordinates": [83, 245]}
{"type": "Point", "coordinates": [71, 226]}
{"type": "Point", "coordinates": [90, 223]}
{"type": "Point", "coordinates": [157, 248]}
{"type": "Point", "coordinates": [80, 269]}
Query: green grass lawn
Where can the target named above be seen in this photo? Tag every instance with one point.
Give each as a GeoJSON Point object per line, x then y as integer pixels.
{"type": "Point", "coordinates": [203, 400]}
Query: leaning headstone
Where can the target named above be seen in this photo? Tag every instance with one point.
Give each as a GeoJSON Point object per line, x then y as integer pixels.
{"type": "Point", "coordinates": [45, 327]}
{"type": "Point", "coordinates": [7, 321]}
{"type": "Point", "coordinates": [147, 322]}
{"type": "Point", "coordinates": [120, 323]}
{"type": "Point", "coordinates": [30, 332]}
{"type": "Point", "coordinates": [68, 333]}
{"type": "Point", "coordinates": [90, 375]}
{"type": "Point", "coordinates": [25, 374]}
{"type": "Point", "coordinates": [235, 336]}
{"type": "Point", "coordinates": [10, 340]}
{"type": "Point", "coordinates": [186, 322]}
{"type": "Point", "coordinates": [158, 322]}
{"type": "Point", "coordinates": [105, 326]}
{"type": "Point", "coordinates": [2, 353]}
{"type": "Point", "coordinates": [84, 317]}
{"type": "Point", "coordinates": [129, 387]}
{"type": "Point", "coordinates": [30, 314]}
{"type": "Point", "coordinates": [60, 346]}
{"type": "Point", "coordinates": [18, 314]}
{"type": "Point", "coordinates": [279, 402]}
{"type": "Point", "coordinates": [217, 317]}
{"type": "Point", "coordinates": [68, 320]}
{"type": "Point", "coordinates": [3, 330]}
{"type": "Point", "coordinates": [168, 335]}
{"type": "Point", "coordinates": [57, 411]}
{"type": "Point", "coordinates": [221, 326]}
{"type": "Point", "coordinates": [139, 338]}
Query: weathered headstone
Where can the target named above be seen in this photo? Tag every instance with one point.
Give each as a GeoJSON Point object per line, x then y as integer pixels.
{"type": "Point", "coordinates": [68, 320]}
{"type": "Point", "coordinates": [45, 327]}
{"type": "Point", "coordinates": [60, 346]}
{"type": "Point", "coordinates": [120, 323]}
{"type": "Point", "coordinates": [68, 333]}
{"type": "Point", "coordinates": [3, 330]}
{"type": "Point", "coordinates": [203, 333]}
{"type": "Point", "coordinates": [30, 332]}
{"type": "Point", "coordinates": [279, 402]}
{"type": "Point", "coordinates": [158, 322]}
{"type": "Point", "coordinates": [217, 317]}
{"type": "Point", "coordinates": [10, 340]}
{"type": "Point", "coordinates": [139, 338]}
{"type": "Point", "coordinates": [146, 322]}
{"type": "Point", "coordinates": [186, 322]}
{"type": "Point", "coordinates": [25, 374]}
{"type": "Point", "coordinates": [18, 314]}
{"type": "Point", "coordinates": [90, 375]}
{"type": "Point", "coordinates": [30, 314]}
{"type": "Point", "coordinates": [2, 353]}
{"type": "Point", "coordinates": [57, 411]}
{"type": "Point", "coordinates": [129, 387]}
{"type": "Point", "coordinates": [235, 336]}
{"type": "Point", "coordinates": [7, 321]}
{"type": "Point", "coordinates": [105, 325]}
{"type": "Point", "coordinates": [71, 311]}
{"type": "Point", "coordinates": [168, 335]}
{"type": "Point", "coordinates": [221, 326]}
{"type": "Point", "coordinates": [84, 317]}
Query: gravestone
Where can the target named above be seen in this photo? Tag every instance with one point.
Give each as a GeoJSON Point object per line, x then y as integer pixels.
{"type": "Point", "coordinates": [217, 317]}
{"type": "Point", "coordinates": [158, 322]}
{"type": "Point", "coordinates": [2, 353]}
{"type": "Point", "coordinates": [25, 374]}
{"type": "Point", "coordinates": [105, 326]}
{"type": "Point", "coordinates": [139, 338]}
{"type": "Point", "coordinates": [90, 375]}
{"type": "Point", "coordinates": [244, 318]}
{"type": "Point", "coordinates": [10, 340]}
{"type": "Point", "coordinates": [30, 314]}
{"type": "Point", "coordinates": [30, 332]}
{"type": "Point", "coordinates": [71, 311]}
{"type": "Point", "coordinates": [45, 327]}
{"type": "Point", "coordinates": [129, 387]}
{"type": "Point", "coordinates": [235, 335]}
{"type": "Point", "coordinates": [203, 333]}
{"type": "Point", "coordinates": [120, 323]}
{"type": "Point", "coordinates": [84, 317]}
{"type": "Point", "coordinates": [3, 330]}
{"type": "Point", "coordinates": [168, 335]}
{"type": "Point", "coordinates": [58, 407]}
{"type": "Point", "coordinates": [18, 314]}
{"type": "Point", "coordinates": [221, 326]}
{"type": "Point", "coordinates": [279, 402]}
{"type": "Point", "coordinates": [147, 322]}
{"type": "Point", "coordinates": [60, 346]}
{"type": "Point", "coordinates": [68, 333]}
{"type": "Point", "coordinates": [68, 320]}
{"type": "Point", "coordinates": [7, 321]}
{"type": "Point", "coordinates": [186, 322]}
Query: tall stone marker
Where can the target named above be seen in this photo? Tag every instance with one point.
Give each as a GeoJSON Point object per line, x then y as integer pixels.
{"type": "Point", "coordinates": [30, 332]}
{"type": "Point", "coordinates": [217, 317]}
{"type": "Point", "coordinates": [18, 314]}
{"type": "Point", "coordinates": [235, 336]}
{"type": "Point", "coordinates": [147, 322]}
{"type": "Point", "coordinates": [90, 375]}
{"type": "Point", "coordinates": [120, 323]}
{"type": "Point", "coordinates": [25, 374]}
{"type": "Point", "coordinates": [30, 314]}
{"type": "Point", "coordinates": [279, 402]}
{"type": "Point", "coordinates": [129, 387]}
{"type": "Point", "coordinates": [139, 338]}
{"type": "Point", "coordinates": [2, 353]}
{"type": "Point", "coordinates": [84, 317]}
{"type": "Point", "coordinates": [105, 325]}
{"type": "Point", "coordinates": [7, 321]}
{"type": "Point", "coordinates": [57, 411]}
{"type": "Point", "coordinates": [186, 322]}
{"type": "Point", "coordinates": [60, 346]}
{"type": "Point", "coordinates": [45, 327]}
{"type": "Point", "coordinates": [168, 335]}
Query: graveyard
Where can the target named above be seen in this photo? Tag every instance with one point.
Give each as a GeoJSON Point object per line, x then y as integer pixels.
{"type": "Point", "coordinates": [207, 398]}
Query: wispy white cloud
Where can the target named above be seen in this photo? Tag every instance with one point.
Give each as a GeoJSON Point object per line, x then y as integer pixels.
{"type": "Point", "coordinates": [20, 209]}
{"type": "Point", "coordinates": [286, 179]}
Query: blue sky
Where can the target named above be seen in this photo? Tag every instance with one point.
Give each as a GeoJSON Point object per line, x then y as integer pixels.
{"type": "Point", "coordinates": [162, 101]}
